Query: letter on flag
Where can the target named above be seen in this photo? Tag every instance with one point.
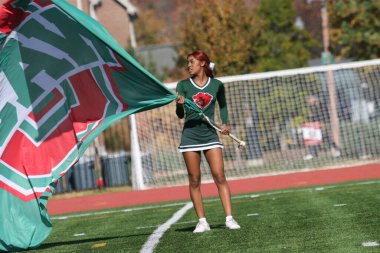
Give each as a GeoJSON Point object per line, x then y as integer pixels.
{"type": "Point", "coordinates": [63, 80]}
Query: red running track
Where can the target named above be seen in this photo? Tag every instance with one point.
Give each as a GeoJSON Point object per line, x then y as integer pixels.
{"type": "Point", "coordinates": [262, 183]}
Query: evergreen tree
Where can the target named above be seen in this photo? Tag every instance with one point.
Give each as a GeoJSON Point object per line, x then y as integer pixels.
{"type": "Point", "coordinates": [281, 45]}
{"type": "Point", "coordinates": [354, 28]}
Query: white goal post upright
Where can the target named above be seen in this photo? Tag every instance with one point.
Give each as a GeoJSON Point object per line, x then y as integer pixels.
{"type": "Point", "coordinates": [268, 111]}
{"type": "Point", "coordinates": [137, 169]}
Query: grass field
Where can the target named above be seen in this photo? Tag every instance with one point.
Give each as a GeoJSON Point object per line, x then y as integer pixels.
{"type": "Point", "coordinates": [330, 218]}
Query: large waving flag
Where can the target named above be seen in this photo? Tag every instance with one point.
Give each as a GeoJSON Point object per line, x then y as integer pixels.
{"type": "Point", "coordinates": [63, 80]}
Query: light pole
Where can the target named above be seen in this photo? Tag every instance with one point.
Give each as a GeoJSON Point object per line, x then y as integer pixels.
{"type": "Point", "coordinates": [327, 58]}
{"type": "Point", "coordinates": [93, 4]}
{"type": "Point", "coordinates": [137, 170]}
{"type": "Point", "coordinates": [79, 5]}
{"type": "Point", "coordinates": [132, 16]}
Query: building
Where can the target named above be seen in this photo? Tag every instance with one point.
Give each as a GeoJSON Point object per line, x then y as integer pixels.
{"type": "Point", "coordinates": [163, 57]}
{"type": "Point", "coordinates": [115, 16]}
{"type": "Point", "coordinates": [111, 14]}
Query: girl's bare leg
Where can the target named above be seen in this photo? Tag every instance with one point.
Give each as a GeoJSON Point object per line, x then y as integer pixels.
{"type": "Point", "coordinates": [193, 164]}
{"type": "Point", "coordinates": [215, 160]}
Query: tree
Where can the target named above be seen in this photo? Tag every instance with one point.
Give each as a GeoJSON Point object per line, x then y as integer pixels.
{"type": "Point", "coordinates": [224, 30]}
{"type": "Point", "coordinates": [166, 15]}
{"type": "Point", "coordinates": [148, 28]}
{"type": "Point", "coordinates": [310, 13]}
{"type": "Point", "coordinates": [354, 28]}
{"type": "Point", "coordinates": [281, 45]}
{"type": "Point", "coordinates": [242, 39]}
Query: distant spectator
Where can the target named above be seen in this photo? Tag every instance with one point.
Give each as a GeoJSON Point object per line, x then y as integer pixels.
{"type": "Point", "coordinates": [318, 115]}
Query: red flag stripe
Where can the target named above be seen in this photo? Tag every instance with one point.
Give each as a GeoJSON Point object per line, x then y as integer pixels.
{"type": "Point", "coordinates": [37, 117]}
{"type": "Point", "coordinates": [45, 157]}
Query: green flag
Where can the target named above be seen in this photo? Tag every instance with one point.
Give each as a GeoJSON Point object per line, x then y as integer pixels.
{"type": "Point", "coordinates": [63, 80]}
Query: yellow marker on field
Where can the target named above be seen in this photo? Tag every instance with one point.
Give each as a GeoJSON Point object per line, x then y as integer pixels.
{"type": "Point", "coordinates": [98, 245]}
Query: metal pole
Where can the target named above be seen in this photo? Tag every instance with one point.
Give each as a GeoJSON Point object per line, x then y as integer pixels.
{"type": "Point", "coordinates": [79, 5]}
{"type": "Point", "coordinates": [137, 169]}
{"type": "Point", "coordinates": [93, 4]}
{"type": "Point", "coordinates": [132, 34]}
{"type": "Point", "coordinates": [334, 121]}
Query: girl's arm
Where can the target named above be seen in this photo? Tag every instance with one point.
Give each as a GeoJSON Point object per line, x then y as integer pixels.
{"type": "Point", "coordinates": [180, 111]}
{"type": "Point", "coordinates": [221, 97]}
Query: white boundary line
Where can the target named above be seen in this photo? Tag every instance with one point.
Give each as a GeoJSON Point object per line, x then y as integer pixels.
{"type": "Point", "coordinates": [65, 217]}
{"type": "Point", "coordinates": [254, 195]}
{"type": "Point", "coordinates": [154, 238]}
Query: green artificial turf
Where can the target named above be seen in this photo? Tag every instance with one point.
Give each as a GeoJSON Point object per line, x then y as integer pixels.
{"type": "Point", "coordinates": [330, 218]}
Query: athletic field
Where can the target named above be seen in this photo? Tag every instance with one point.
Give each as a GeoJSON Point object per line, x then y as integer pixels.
{"type": "Point", "coordinates": [341, 217]}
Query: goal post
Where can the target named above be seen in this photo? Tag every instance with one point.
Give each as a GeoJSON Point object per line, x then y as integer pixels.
{"type": "Point", "coordinates": [276, 114]}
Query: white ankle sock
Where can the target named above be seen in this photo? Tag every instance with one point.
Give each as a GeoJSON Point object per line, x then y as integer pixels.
{"type": "Point", "coordinates": [228, 218]}
{"type": "Point", "coordinates": [202, 219]}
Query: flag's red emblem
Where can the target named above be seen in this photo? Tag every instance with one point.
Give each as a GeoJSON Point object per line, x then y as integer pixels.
{"type": "Point", "coordinates": [202, 100]}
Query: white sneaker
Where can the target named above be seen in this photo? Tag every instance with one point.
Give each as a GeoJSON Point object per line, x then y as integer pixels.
{"type": "Point", "coordinates": [308, 157]}
{"type": "Point", "coordinates": [201, 227]}
{"type": "Point", "coordinates": [232, 224]}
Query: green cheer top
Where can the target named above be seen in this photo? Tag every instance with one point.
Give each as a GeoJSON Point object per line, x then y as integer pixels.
{"type": "Point", "coordinates": [197, 134]}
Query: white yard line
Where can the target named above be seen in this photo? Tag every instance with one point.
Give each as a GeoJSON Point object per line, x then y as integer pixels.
{"type": "Point", "coordinates": [339, 205]}
{"type": "Point", "coordinates": [65, 217]}
{"type": "Point", "coordinates": [370, 244]}
{"type": "Point", "coordinates": [154, 238]}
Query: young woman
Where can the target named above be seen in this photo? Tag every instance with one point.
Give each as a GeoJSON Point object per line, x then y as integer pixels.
{"type": "Point", "coordinates": [198, 136]}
